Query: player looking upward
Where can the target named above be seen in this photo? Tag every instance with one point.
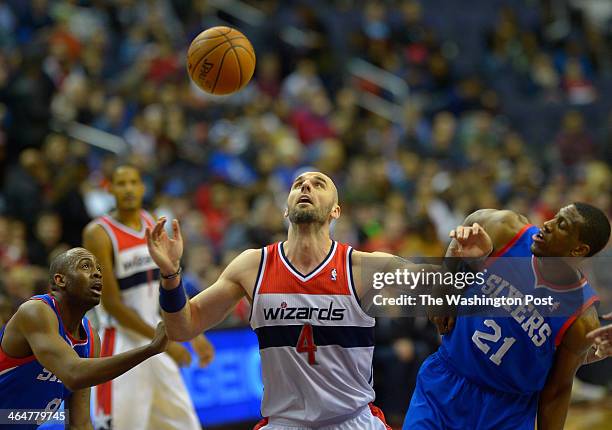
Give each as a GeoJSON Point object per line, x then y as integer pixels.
{"type": "Point", "coordinates": [47, 348]}
{"type": "Point", "coordinates": [316, 342]}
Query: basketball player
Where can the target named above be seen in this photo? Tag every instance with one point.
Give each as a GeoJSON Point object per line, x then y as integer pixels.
{"type": "Point", "coordinates": [45, 348]}
{"type": "Point", "coordinates": [129, 313]}
{"type": "Point", "coordinates": [500, 372]}
{"type": "Point", "coordinates": [316, 342]}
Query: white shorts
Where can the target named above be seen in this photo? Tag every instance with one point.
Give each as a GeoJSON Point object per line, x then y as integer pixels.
{"type": "Point", "coordinates": [364, 421]}
{"type": "Point", "coordinates": [151, 396]}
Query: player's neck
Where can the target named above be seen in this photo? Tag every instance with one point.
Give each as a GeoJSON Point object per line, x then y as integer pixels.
{"type": "Point", "coordinates": [71, 314]}
{"type": "Point", "coordinates": [557, 271]}
{"type": "Point", "coordinates": [307, 246]}
{"type": "Point", "coordinates": [129, 218]}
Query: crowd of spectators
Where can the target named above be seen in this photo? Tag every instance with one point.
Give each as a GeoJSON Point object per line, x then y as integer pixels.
{"type": "Point", "coordinates": [506, 108]}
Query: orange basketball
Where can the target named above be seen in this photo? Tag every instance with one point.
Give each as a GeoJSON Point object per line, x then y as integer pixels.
{"type": "Point", "coordinates": [221, 60]}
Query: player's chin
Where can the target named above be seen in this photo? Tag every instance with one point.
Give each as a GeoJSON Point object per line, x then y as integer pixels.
{"type": "Point", "coordinates": [93, 300]}
{"type": "Point", "coordinates": [536, 249]}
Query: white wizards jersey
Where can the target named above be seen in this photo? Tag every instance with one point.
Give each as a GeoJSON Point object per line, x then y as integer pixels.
{"type": "Point", "coordinates": [134, 269]}
{"type": "Point", "coordinates": [315, 341]}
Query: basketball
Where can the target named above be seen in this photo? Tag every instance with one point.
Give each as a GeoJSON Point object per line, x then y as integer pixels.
{"type": "Point", "coordinates": [221, 60]}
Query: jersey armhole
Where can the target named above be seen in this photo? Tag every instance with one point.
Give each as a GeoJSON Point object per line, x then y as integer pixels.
{"type": "Point", "coordinates": [349, 273]}
{"type": "Point", "coordinates": [258, 278]}
{"type": "Point", "coordinates": [568, 323]}
{"type": "Point", "coordinates": [512, 241]}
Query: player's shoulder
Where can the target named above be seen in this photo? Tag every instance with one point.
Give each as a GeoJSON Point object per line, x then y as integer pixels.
{"type": "Point", "coordinates": [502, 225]}
{"type": "Point", "coordinates": [247, 259]}
{"type": "Point", "coordinates": [576, 336]}
{"type": "Point", "coordinates": [34, 313]}
{"type": "Point", "coordinates": [95, 233]}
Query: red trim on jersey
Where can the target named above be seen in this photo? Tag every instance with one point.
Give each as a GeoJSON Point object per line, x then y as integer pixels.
{"type": "Point", "coordinates": [126, 237]}
{"type": "Point", "coordinates": [508, 245]}
{"type": "Point", "coordinates": [330, 279]}
{"type": "Point", "coordinates": [7, 362]}
{"type": "Point", "coordinates": [74, 340]}
{"type": "Point", "coordinates": [104, 392]}
{"type": "Point", "coordinates": [261, 424]}
{"type": "Point", "coordinates": [91, 341]}
{"type": "Point", "coordinates": [574, 317]}
{"type": "Point", "coordinates": [378, 413]}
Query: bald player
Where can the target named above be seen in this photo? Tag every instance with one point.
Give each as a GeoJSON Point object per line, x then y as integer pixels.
{"type": "Point", "coordinates": [316, 342]}
{"type": "Point", "coordinates": [47, 348]}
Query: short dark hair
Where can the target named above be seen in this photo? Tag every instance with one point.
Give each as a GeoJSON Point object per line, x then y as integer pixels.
{"type": "Point", "coordinates": [60, 264]}
{"type": "Point", "coordinates": [595, 231]}
{"type": "Point", "coordinates": [123, 166]}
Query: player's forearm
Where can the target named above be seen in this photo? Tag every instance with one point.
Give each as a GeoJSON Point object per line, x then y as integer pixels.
{"type": "Point", "coordinates": [88, 372]}
{"type": "Point", "coordinates": [552, 408]}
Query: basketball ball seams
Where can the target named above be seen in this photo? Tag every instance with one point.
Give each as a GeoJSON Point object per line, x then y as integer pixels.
{"type": "Point", "coordinates": [218, 30]}
{"type": "Point", "coordinates": [210, 51]}
{"type": "Point", "coordinates": [219, 71]}
{"type": "Point", "coordinates": [239, 69]}
{"type": "Point", "coordinates": [245, 50]}
{"type": "Point", "coordinates": [237, 58]}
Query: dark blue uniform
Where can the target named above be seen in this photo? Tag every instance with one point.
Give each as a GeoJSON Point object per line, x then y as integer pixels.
{"type": "Point", "coordinates": [489, 370]}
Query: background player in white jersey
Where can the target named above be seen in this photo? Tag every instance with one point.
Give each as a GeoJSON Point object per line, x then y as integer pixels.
{"type": "Point", "coordinates": [315, 341]}
{"type": "Point", "coordinates": [128, 315]}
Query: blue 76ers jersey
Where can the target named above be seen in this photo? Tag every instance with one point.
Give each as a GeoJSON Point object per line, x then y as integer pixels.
{"type": "Point", "coordinates": [512, 349]}
{"type": "Point", "coordinates": [26, 384]}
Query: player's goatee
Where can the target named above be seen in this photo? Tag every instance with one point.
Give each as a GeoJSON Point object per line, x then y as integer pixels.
{"type": "Point", "coordinates": [306, 216]}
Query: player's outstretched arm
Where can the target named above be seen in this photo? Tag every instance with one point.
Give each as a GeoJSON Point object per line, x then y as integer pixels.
{"type": "Point", "coordinates": [186, 319]}
{"type": "Point", "coordinates": [37, 323]}
{"type": "Point", "coordinates": [570, 355]}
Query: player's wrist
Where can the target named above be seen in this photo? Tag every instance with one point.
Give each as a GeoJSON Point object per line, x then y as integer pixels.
{"type": "Point", "coordinates": [171, 272]}
{"type": "Point", "coordinates": [172, 299]}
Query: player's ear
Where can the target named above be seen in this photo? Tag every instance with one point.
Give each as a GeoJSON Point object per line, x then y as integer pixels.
{"type": "Point", "coordinates": [59, 280]}
{"type": "Point", "coordinates": [335, 212]}
{"type": "Point", "coordinates": [286, 213]}
{"type": "Point", "coordinates": [581, 250]}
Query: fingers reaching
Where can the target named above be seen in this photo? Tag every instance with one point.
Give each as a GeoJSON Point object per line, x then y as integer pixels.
{"type": "Point", "coordinates": [176, 230]}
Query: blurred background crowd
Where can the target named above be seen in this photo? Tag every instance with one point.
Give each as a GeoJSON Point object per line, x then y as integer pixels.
{"type": "Point", "coordinates": [421, 112]}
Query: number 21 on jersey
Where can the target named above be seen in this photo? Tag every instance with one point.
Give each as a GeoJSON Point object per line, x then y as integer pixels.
{"type": "Point", "coordinates": [480, 336]}
{"type": "Point", "coordinates": [306, 343]}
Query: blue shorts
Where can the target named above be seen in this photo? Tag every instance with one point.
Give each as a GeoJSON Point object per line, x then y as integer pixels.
{"type": "Point", "coordinates": [444, 400]}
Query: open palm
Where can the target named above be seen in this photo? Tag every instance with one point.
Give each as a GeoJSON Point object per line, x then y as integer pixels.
{"type": "Point", "coordinates": [165, 251]}
{"type": "Point", "coordinates": [470, 242]}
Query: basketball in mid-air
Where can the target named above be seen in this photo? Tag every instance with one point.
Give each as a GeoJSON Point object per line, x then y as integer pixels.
{"type": "Point", "coordinates": [221, 60]}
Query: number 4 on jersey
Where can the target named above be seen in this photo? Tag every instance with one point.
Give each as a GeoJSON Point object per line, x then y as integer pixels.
{"type": "Point", "coordinates": [306, 343]}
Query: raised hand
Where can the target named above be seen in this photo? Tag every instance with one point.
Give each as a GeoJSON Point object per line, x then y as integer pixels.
{"type": "Point", "coordinates": [603, 339]}
{"type": "Point", "coordinates": [470, 242]}
{"type": "Point", "coordinates": [165, 251]}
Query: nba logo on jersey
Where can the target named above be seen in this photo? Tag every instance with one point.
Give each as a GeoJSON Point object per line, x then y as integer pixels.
{"type": "Point", "coordinates": [334, 274]}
